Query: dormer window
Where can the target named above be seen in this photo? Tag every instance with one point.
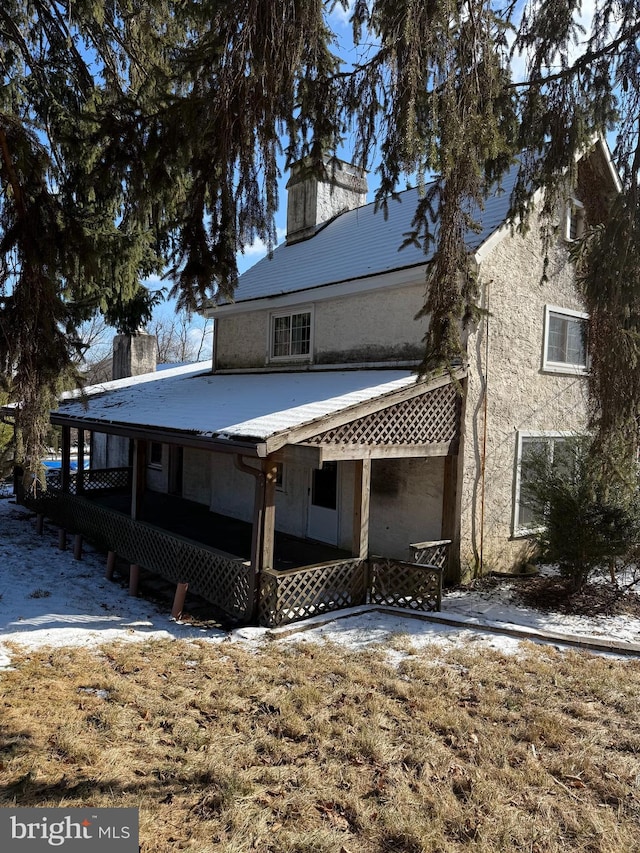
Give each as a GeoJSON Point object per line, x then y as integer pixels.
{"type": "Point", "coordinates": [291, 335]}
{"type": "Point", "coordinates": [574, 223]}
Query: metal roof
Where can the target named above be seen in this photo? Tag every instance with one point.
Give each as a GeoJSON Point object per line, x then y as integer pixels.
{"type": "Point", "coordinates": [361, 243]}
{"type": "Point", "coordinates": [238, 407]}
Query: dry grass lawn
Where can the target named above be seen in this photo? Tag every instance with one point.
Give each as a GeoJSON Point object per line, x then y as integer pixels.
{"type": "Point", "coordinates": [311, 749]}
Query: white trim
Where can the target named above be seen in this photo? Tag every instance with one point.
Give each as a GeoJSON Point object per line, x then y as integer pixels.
{"type": "Point", "coordinates": [602, 144]}
{"type": "Point", "coordinates": [549, 366]}
{"type": "Point", "coordinates": [286, 359]}
{"type": "Point", "coordinates": [518, 531]}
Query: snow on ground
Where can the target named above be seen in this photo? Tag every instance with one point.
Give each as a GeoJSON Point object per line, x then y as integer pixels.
{"type": "Point", "coordinates": [49, 599]}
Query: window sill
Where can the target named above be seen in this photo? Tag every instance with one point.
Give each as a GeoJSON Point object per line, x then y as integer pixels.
{"type": "Point", "coordinates": [526, 533]}
{"type": "Point", "coordinates": [565, 369]}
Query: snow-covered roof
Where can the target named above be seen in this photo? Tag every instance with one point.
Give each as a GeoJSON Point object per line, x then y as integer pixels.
{"type": "Point", "coordinates": [241, 407]}
{"type": "Point", "coordinates": [361, 243]}
{"type": "Point", "coordinates": [168, 371]}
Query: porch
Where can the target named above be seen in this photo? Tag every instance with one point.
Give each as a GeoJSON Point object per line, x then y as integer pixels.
{"type": "Point", "coordinates": [395, 440]}
{"type": "Point", "coordinates": [308, 578]}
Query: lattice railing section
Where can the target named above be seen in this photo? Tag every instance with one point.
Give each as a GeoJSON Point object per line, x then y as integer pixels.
{"type": "Point", "coordinates": [431, 553]}
{"type": "Point", "coordinates": [409, 585]}
{"type": "Point", "coordinates": [106, 479]}
{"type": "Point", "coordinates": [93, 480]}
{"type": "Point", "coordinates": [223, 579]}
{"type": "Point", "coordinates": [288, 596]}
{"type": "Point", "coordinates": [430, 418]}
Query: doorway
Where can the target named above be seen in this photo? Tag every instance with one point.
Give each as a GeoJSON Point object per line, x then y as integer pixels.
{"type": "Point", "coordinates": [322, 516]}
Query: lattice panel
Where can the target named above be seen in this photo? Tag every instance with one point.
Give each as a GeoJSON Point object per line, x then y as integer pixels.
{"type": "Point", "coordinates": [224, 580]}
{"type": "Point", "coordinates": [430, 418]}
{"type": "Point", "coordinates": [408, 585]}
{"type": "Point", "coordinates": [293, 595]}
{"type": "Point", "coordinates": [431, 553]}
{"type": "Point", "coordinates": [107, 479]}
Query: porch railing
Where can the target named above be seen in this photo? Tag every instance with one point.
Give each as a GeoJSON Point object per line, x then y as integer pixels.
{"type": "Point", "coordinates": [223, 579]}
{"type": "Point", "coordinates": [288, 596]}
{"type": "Point", "coordinates": [410, 585]}
{"type": "Point", "coordinates": [92, 480]}
{"type": "Point", "coordinates": [433, 553]}
{"type": "Point", "coordinates": [228, 582]}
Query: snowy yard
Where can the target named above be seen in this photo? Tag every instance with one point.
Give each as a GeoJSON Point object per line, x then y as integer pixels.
{"type": "Point", "coordinates": [48, 598]}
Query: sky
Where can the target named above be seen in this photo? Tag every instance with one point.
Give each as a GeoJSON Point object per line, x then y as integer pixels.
{"type": "Point", "coordinates": [47, 598]}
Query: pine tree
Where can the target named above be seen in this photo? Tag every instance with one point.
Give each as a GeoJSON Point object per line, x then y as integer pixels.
{"type": "Point", "coordinates": [138, 135]}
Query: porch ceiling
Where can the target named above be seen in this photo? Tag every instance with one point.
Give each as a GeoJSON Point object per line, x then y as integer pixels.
{"type": "Point", "coordinates": [264, 413]}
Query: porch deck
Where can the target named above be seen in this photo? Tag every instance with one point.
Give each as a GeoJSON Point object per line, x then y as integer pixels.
{"type": "Point", "coordinates": [194, 521]}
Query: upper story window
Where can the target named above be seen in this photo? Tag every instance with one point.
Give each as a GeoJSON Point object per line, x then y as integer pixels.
{"type": "Point", "coordinates": [565, 340]}
{"type": "Point", "coordinates": [575, 219]}
{"type": "Point", "coordinates": [291, 335]}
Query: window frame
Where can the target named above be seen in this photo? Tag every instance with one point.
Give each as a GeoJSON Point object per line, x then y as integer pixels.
{"type": "Point", "coordinates": [154, 463]}
{"type": "Point", "coordinates": [574, 211]}
{"type": "Point", "coordinates": [518, 531]}
{"type": "Point", "coordinates": [550, 366]}
{"type": "Point", "coordinates": [290, 312]}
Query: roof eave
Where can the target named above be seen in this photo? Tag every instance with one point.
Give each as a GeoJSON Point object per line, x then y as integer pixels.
{"type": "Point", "coordinates": [164, 435]}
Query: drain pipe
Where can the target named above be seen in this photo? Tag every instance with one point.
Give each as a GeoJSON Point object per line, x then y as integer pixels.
{"type": "Point", "coordinates": [484, 432]}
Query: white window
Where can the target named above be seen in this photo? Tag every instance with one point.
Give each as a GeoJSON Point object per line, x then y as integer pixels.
{"type": "Point", "coordinates": [530, 447]}
{"type": "Point", "coordinates": [565, 340]}
{"type": "Point", "coordinates": [574, 219]}
{"type": "Point", "coordinates": [291, 335]}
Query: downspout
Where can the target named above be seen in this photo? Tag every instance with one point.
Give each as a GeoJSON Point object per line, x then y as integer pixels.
{"type": "Point", "coordinates": [257, 531]}
{"type": "Point", "coordinates": [483, 457]}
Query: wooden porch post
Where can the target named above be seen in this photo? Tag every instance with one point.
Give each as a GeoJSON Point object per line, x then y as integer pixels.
{"type": "Point", "coordinates": [80, 471]}
{"type": "Point", "coordinates": [139, 472]}
{"type": "Point", "coordinates": [111, 564]}
{"type": "Point", "coordinates": [77, 546]}
{"type": "Point", "coordinates": [269, 518]}
{"type": "Point", "coordinates": [65, 463]}
{"type": "Point", "coordinates": [178, 600]}
{"type": "Point", "coordinates": [263, 531]}
{"type": "Point", "coordinates": [361, 492]}
{"type": "Point", "coordinates": [134, 578]}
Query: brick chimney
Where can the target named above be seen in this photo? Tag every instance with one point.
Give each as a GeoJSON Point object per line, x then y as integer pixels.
{"type": "Point", "coordinates": [313, 200]}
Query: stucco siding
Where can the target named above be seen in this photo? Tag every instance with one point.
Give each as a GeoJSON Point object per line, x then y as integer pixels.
{"type": "Point", "coordinates": [196, 475]}
{"type": "Point", "coordinates": [519, 394]}
{"type": "Point", "coordinates": [232, 493]}
{"type": "Point", "coordinates": [370, 327]}
{"type": "Point", "coordinates": [406, 504]}
{"type": "Point", "coordinates": [241, 340]}
{"type": "Point", "coordinates": [375, 326]}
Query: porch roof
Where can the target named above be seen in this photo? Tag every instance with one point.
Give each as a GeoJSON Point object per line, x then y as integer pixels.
{"type": "Point", "coordinates": [263, 411]}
